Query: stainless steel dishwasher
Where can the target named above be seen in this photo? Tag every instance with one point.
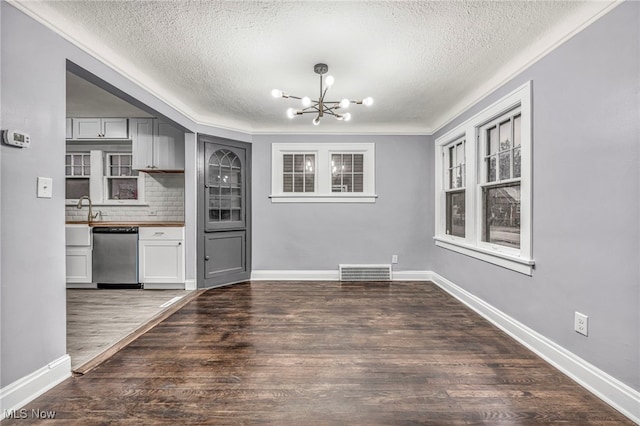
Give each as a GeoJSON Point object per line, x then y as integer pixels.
{"type": "Point", "coordinates": [115, 257]}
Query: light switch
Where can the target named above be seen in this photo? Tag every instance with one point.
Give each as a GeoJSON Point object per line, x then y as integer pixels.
{"type": "Point", "coordinates": [45, 187]}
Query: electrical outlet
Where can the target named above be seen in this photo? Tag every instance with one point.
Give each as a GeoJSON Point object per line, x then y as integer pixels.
{"type": "Point", "coordinates": [581, 324]}
{"type": "Point", "coordinates": [394, 258]}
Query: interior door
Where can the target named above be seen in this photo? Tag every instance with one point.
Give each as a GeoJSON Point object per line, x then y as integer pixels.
{"type": "Point", "coordinates": [225, 187]}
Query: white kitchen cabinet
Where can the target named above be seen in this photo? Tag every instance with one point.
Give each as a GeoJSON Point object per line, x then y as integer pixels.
{"type": "Point", "coordinates": [79, 256]}
{"type": "Point", "coordinates": [156, 146]}
{"type": "Point", "coordinates": [100, 128]}
{"type": "Point", "coordinates": [161, 257]}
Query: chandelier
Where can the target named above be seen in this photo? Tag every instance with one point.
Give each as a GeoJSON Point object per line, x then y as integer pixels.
{"type": "Point", "coordinates": [321, 107]}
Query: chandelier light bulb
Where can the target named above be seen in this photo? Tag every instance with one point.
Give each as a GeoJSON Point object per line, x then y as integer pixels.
{"type": "Point", "coordinates": [344, 103]}
{"type": "Point", "coordinates": [346, 117]}
{"type": "Point", "coordinates": [368, 101]}
{"type": "Point", "coordinates": [306, 101]}
{"type": "Point", "coordinates": [316, 121]}
{"type": "Point", "coordinates": [291, 113]}
{"type": "Point", "coordinates": [276, 93]}
{"type": "Point", "coordinates": [329, 80]}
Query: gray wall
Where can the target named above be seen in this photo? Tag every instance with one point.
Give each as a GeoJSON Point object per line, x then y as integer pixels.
{"type": "Point", "coordinates": [586, 188]}
{"type": "Point", "coordinates": [32, 292]}
{"type": "Point", "coordinates": [319, 236]}
{"type": "Point", "coordinates": [33, 254]}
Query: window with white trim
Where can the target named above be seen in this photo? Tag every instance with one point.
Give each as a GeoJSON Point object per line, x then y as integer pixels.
{"type": "Point", "coordinates": [483, 189]}
{"type": "Point", "coordinates": [77, 175]}
{"type": "Point", "coordinates": [454, 154]}
{"type": "Point", "coordinates": [500, 143]}
{"type": "Point", "coordinates": [331, 172]}
{"type": "Point", "coordinates": [298, 172]}
{"type": "Point", "coordinates": [107, 178]}
{"type": "Point", "coordinates": [121, 181]}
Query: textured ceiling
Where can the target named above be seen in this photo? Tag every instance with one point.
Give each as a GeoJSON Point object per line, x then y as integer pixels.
{"type": "Point", "coordinates": [218, 61]}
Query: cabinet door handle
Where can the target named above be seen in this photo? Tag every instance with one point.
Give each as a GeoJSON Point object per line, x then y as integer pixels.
{"type": "Point", "coordinates": [179, 244]}
{"type": "Point", "coordinates": [206, 258]}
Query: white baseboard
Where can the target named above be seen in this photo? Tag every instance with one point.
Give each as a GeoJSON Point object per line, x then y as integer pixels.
{"type": "Point", "coordinates": [329, 275]}
{"type": "Point", "coordinates": [82, 285]}
{"type": "Point", "coordinates": [164, 286]}
{"type": "Point", "coordinates": [265, 275]}
{"type": "Point", "coordinates": [612, 391]}
{"type": "Point", "coordinates": [411, 275]}
{"type": "Point", "coordinates": [19, 393]}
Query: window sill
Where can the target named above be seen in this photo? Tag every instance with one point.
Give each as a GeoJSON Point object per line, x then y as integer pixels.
{"type": "Point", "coordinates": [323, 198]}
{"type": "Point", "coordinates": [518, 264]}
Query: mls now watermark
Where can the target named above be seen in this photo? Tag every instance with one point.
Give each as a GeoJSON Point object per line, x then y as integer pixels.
{"type": "Point", "coordinates": [34, 413]}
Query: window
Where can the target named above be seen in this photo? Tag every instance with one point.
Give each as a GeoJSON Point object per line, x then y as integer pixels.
{"type": "Point", "coordinates": [323, 173]}
{"type": "Point", "coordinates": [78, 173]}
{"type": "Point", "coordinates": [108, 178]}
{"type": "Point", "coordinates": [500, 141]}
{"type": "Point", "coordinates": [298, 172]}
{"type": "Point", "coordinates": [455, 192]}
{"type": "Point", "coordinates": [121, 181]}
{"type": "Point", "coordinates": [347, 172]}
{"type": "Point", "coordinates": [483, 189]}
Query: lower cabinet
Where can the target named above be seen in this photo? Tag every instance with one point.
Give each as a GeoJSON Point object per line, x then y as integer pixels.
{"type": "Point", "coordinates": [79, 260]}
{"type": "Point", "coordinates": [79, 265]}
{"type": "Point", "coordinates": [161, 257]}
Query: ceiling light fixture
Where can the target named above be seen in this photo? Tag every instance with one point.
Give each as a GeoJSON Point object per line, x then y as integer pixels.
{"type": "Point", "coordinates": [321, 107]}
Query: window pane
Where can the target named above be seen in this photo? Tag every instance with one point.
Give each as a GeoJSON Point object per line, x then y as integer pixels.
{"type": "Point", "coordinates": [347, 185]}
{"type": "Point", "coordinates": [336, 163]}
{"type": "Point", "coordinates": [298, 163]}
{"type": "Point", "coordinates": [455, 213]}
{"type": "Point", "coordinates": [347, 163]}
{"type": "Point", "coordinates": [516, 131]}
{"type": "Point", "coordinates": [358, 163]}
{"type": "Point", "coordinates": [358, 183]}
{"type": "Point", "coordinates": [505, 135]}
{"type": "Point", "coordinates": [491, 169]}
{"type": "Point", "coordinates": [77, 170]}
{"type": "Point", "coordinates": [460, 153]}
{"type": "Point", "coordinates": [309, 163]}
{"type": "Point", "coordinates": [492, 140]}
{"type": "Point", "coordinates": [309, 182]}
{"type": "Point", "coordinates": [516, 163]}
{"type": "Point", "coordinates": [115, 160]}
{"type": "Point", "coordinates": [87, 170]}
{"type": "Point", "coordinates": [287, 163]}
{"type": "Point", "coordinates": [452, 156]}
{"type": "Point", "coordinates": [298, 183]}
{"type": "Point", "coordinates": [125, 160]}
{"type": "Point", "coordinates": [76, 188]}
{"type": "Point", "coordinates": [122, 189]}
{"type": "Point", "coordinates": [501, 211]}
{"type": "Point", "coordinates": [459, 177]}
{"type": "Point", "coordinates": [505, 165]}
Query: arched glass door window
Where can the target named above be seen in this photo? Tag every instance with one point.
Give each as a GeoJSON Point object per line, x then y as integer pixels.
{"type": "Point", "coordinates": [224, 183]}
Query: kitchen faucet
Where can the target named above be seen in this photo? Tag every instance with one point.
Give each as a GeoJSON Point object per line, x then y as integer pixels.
{"type": "Point", "coordinates": [91, 215]}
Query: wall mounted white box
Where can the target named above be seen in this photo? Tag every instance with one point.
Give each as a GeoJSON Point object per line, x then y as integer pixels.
{"type": "Point", "coordinates": [45, 187]}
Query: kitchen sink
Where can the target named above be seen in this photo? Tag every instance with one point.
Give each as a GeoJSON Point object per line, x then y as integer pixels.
{"type": "Point", "coordinates": [78, 235]}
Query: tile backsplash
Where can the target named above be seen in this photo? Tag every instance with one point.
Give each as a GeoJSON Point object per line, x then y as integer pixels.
{"type": "Point", "coordinates": [164, 196]}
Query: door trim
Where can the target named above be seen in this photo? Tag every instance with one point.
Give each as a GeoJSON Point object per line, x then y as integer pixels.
{"type": "Point", "coordinates": [200, 266]}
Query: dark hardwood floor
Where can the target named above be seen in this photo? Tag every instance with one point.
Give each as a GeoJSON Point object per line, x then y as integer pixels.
{"type": "Point", "coordinates": [309, 353]}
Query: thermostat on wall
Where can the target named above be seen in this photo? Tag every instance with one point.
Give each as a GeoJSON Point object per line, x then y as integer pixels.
{"type": "Point", "coordinates": [16, 138]}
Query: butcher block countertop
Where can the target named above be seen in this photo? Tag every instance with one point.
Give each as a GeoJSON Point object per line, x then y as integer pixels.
{"type": "Point", "coordinates": [104, 223]}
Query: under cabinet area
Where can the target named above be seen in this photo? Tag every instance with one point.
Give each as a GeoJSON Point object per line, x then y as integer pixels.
{"type": "Point", "coordinates": [98, 128]}
{"type": "Point", "coordinates": [161, 257]}
{"type": "Point", "coordinates": [156, 145]}
{"type": "Point", "coordinates": [79, 256]}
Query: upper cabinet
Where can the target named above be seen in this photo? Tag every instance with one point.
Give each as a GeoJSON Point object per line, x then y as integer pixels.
{"type": "Point", "coordinates": [156, 146]}
{"type": "Point", "coordinates": [98, 128]}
